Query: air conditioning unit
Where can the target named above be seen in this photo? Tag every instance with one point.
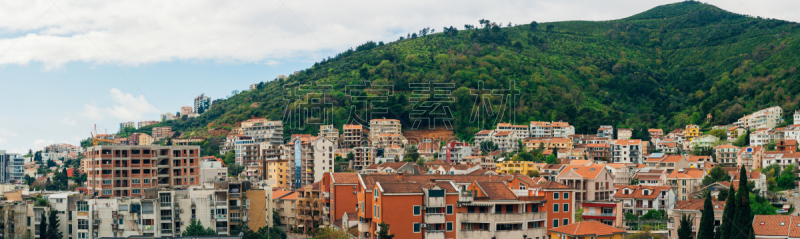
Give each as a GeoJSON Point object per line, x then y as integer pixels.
{"type": "Point", "coordinates": [181, 223]}
{"type": "Point", "coordinates": [354, 192]}
{"type": "Point", "coordinates": [423, 225]}
{"type": "Point", "coordinates": [181, 212]}
{"type": "Point", "coordinates": [354, 187]}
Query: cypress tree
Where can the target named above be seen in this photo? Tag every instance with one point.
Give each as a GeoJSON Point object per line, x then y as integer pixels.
{"type": "Point", "coordinates": [728, 214]}
{"type": "Point", "coordinates": [685, 231]}
{"type": "Point", "coordinates": [52, 226]}
{"type": "Point", "coordinates": [706, 229]}
{"type": "Point", "coordinates": [43, 226]}
{"type": "Point", "coordinates": [742, 227]}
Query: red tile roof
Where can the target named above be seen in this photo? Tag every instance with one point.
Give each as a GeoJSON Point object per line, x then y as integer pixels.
{"type": "Point", "coordinates": [344, 178]}
{"type": "Point", "coordinates": [637, 191]}
{"type": "Point", "coordinates": [587, 228]}
{"type": "Point", "coordinates": [770, 225]}
{"type": "Point", "coordinates": [497, 191]}
{"type": "Point", "coordinates": [697, 204]}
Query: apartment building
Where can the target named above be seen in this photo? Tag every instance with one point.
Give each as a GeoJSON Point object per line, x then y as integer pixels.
{"type": "Point", "coordinates": [734, 133]}
{"type": "Point", "coordinates": [751, 157]}
{"type": "Point", "coordinates": [786, 145]}
{"type": "Point", "coordinates": [352, 136]}
{"type": "Point", "coordinates": [340, 190]}
{"type": "Point", "coordinates": [140, 139]}
{"type": "Point", "coordinates": [792, 131]}
{"type": "Point", "coordinates": [656, 133]}
{"type": "Point", "coordinates": [539, 129]}
{"type": "Point", "coordinates": [202, 103]}
{"type": "Point", "coordinates": [147, 123]}
{"type": "Point", "coordinates": [668, 162]}
{"type": "Point", "coordinates": [548, 143]}
{"type": "Point", "coordinates": [562, 129]}
{"type": "Point", "coordinates": [378, 127]}
{"type": "Point", "coordinates": [124, 170]}
{"type": "Point", "coordinates": [692, 131]}
{"type": "Point", "coordinates": [505, 140]}
{"type": "Point", "coordinates": [628, 151]}
{"type": "Point", "coordinates": [623, 173]}
{"type": "Point", "coordinates": [167, 116]}
{"type": "Point", "coordinates": [782, 158]}
{"type": "Point", "coordinates": [212, 169]}
{"type": "Point", "coordinates": [308, 159]}
{"type": "Point", "coordinates": [274, 165]}
{"type": "Point", "coordinates": [259, 207]}
{"type": "Point", "coordinates": [441, 206]}
{"type": "Point", "coordinates": [262, 130]}
{"type": "Point", "coordinates": [726, 154]}
{"type": "Point", "coordinates": [638, 200]}
{"type": "Point", "coordinates": [559, 204]}
{"type": "Point", "coordinates": [387, 140]}
{"type": "Point", "coordinates": [454, 152]}
{"type": "Point", "coordinates": [598, 151]}
{"type": "Point", "coordinates": [12, 167]}
{"type": "Point", "coordinates": [310, 207]}
{"type": "Point", "coordinates": [245, 147]}
{"type": "Point", "coordinates": [651, 177]}
{"type": "Point", "coordinates": [700, 162]}
{"type": "Point", "coordinates": [330, 132]}
{"type": "Point", "coordinates": [762, 137]}
{"type": "Point", "coordinates": [605, 131]}
{"type": "Point", "coordinates": [624, 134]}
{"type": "Point", "coordinates": [593, 182]}
{"type": "Point", "coordinates": [398, 167]}
{"type": "Point", "coordinates": [693, 209]}
{"type": "Point", "coordinates": [763, 119]}
{"type": "Point", "coordinates": [128, 124]}
{"type": "Point", "coordinates": [162, 132]}
{"type": "Point", "coordinates": [186, 110]}
{"type": "Point", "coordinates": [705, 141]}
{"type": "Point", "coordinates": [286, 205]}
{"type": "Point", "coordinates": [188, 141]}
{"type": "Point", "coordinates": [364, 156]}
{"type": "Point", "coordinates": [668, 146]}
{"type": "Point", "coordinates": [686, 182]}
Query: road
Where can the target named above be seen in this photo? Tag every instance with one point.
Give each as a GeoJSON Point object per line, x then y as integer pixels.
{"type": "Point", "coordinates": [794, 200]}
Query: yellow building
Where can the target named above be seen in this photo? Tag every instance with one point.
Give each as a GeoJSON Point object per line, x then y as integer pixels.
{"type": "Point", "coordinates": [521, 167]}
{"type": "Point", "coordinates": [692, 131]}
{"type": "Point", "coordinates": [259, 209]}
{"type": "Point", "coordinates": [548, 143]}
{"type": "Point", "coordinates": [278, 174]}
{"type": "Point", "coordinates": [587, 230]}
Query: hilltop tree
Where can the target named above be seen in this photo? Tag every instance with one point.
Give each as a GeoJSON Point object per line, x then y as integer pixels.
{"type": "Point", "coordinates": [742, 227]}
{"type": "Point", "coordinates": [534, 25]}
{"type": "Point", "coordinates": [706, 229]}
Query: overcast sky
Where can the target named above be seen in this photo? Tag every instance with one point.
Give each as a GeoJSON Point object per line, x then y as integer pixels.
{"type": "Point", "coordinates": [67, 65]}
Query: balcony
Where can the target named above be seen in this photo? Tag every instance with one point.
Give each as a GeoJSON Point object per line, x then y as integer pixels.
{"type": "Point", "coordinates": [501, 218]}
{"type": "Point", "coordinates": [222, 229]}
{"type": "Point", "coordinates": [148, 228]}
{"type": "Point", "coordinates": [166, 231]}
{"type": "Point", "coordinates": [434, 234]}
{"type": "Point", "coordinates": [434, 218]}
{"type": "Point", "coordinates": [599, 215]}
{"type": "Point", "coordinates": [166, 218]}
{"type": "Point", "coordinates": [363, 227]}
{"type": "Point", "coordinates": [221, 203]}
{"type": "Point", "coordinates": [465, 196]}
{"type": "Point", "coordinates": [540, 232]}
{"type": "Point", "coordinates": [221, 216]}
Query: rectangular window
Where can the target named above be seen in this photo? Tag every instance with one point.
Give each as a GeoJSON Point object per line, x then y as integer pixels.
{"type": "Point", "coordinates": [136, 181]}
{"type": "Point", "coordinates": [417, 210]}
{"type": "Point", "coordinates": [82, 235]}
{"type": "Point", "coordinates": [509, 208]}
{"type": "Point", "coordinates": [555, 222]}
{"type": "Point", "coordinates": [416, 227]}
{"type": "Point", "coordinates": [566, 195]}
{"type": "Point", "coordinates": [555, 207]}
{"type": "Point", "coordinates": [555, 195]}
{"type": "Point", "coordinates": [449, 209]}
{"type": "Point", "coordinates": [136, 191]}
{"type": "Point", "coordinates": [83, 224]}
{"type": "Point", "coordinates": [106, 181]}
{"type": "Point", "coordinates": [146, 180]}
{"type": "Point", "coordinates": [566, 221]}
{"type": "Point", "coordinates": [449, 226]}
{"type": "Point", "coordinates": [107, 192]}
{"type": "Point", "coordinates": [566, 207]}
{"type": "Point", "coordinates": [83, 206]}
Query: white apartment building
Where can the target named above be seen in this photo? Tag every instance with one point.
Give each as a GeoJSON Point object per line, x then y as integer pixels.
{"type": "Point", "coordinates": [212, 170]}
{"type": "Point", "coordinates": [240, 145]}
{"type": "Point", "coordinates": [763, 119]}
{"type": "Point", "coordinates": [328, 131]}
{"type": "Point", "coordinates": [128, 124]}
{"type": "Point", "coordinates": [540, 129]}
{"type": "Point", "coordinates": [627, 151]}
{"type": "Point", "coordinates": [762, 137]}
{"type": "Point", "coordinates": [624, 134]}
{"type": "Point", "coordinates": [263, 130]}
{"type": "Point", "coordinates": [605, 131]}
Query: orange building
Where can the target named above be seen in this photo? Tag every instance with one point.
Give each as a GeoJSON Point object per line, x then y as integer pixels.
{"type": "Point", "coordinates": [450, 206]}
{"type": "Point", "coordinates": [339, 190]}
{"type": "Point", "coordinates": [560, 204]}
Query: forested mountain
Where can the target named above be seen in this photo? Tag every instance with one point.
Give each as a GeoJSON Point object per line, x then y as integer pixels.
{"type": "Point", "coordinates": [665, 68]}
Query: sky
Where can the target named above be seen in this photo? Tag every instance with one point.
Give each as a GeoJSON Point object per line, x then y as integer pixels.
{"type": "Point", "coordinates": [68, 65]}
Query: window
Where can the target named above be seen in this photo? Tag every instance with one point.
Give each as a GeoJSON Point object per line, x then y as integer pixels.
{"type": "Point", "coordinates": [146, 180]}
{"type": "Point", "coordinates": [449, 209]}
{"type": "Point", "coordinates": [566, 195]}
{"type": "Point", "coordinates": [555, 222]}
{"type": "Point", "coordinates": [82, 235]}
{"type": "Point", "coordinates": [106, 181]}
{"type": "Point", "coordinates": [566, 221]}
{"type": "Point", "coordinates": [83, 224]}
{"type": "Point", "coordinates": [417, 210]}
{"type": "Point", "coordinates": [107, 192]}
{"type": "Point", "coordinates": [566, 207]}
{"type": "Point", "coordinates": [555, 207]}
{"type": "Point", "coordinates": [416, 227]}
{"type": "Point", "coordinates": [449, 226]}
{"type": "Point", "coordinates": [136, 181]}
{"type": "Point", "coordinates": [555, 195]}
{"type": "Point", "coordinates": [136, 191]}
{"type": "Point", "coordinates": [83, 206]}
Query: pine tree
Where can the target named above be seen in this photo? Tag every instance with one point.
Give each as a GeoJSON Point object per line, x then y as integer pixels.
{"type": "Point", "coordinates": [384, 232]}
{"type": "Point", "coordinates": [43, 227]}
{"type": "Point", "coordinates": [742, 227]}
{"type": "Point", "coordinates": [53, 225]}
{"type": "Point", "coordinates": [728, 215]}
{"type": "Point", "coordinates": [685, 231]}
{"type": "Point", "coordinates": [706, 229]}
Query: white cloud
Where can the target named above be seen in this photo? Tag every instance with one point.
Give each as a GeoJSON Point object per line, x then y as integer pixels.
{"type": "Point", "coordinates": [137, 32]}
{"type": "Point", "coordinates": [41, 143]}
{"type": "Point", "coordinates": [125, 106]}
{"type": "Point", "coordinates": [68, 121]}
{"type": "Point", "coordinates": [3, 141]}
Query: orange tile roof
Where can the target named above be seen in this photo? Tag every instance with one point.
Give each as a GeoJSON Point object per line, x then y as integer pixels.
{"type": "Point", "coordinates": [693, 158]}
{"type": "Point", "coordinates": [289, 196]}
{"type": "Point", "coordinates": [344, 178]}
{"type": "Point", "coordinates": [638, 191]}
{"type": "Point", "coordinates": [482, 132]}
{"type": "Point", "coordinates": [589, 172]}
{"type": "Point", "coordinates": [587, 228]}
{"type": "Point", "coordinates": [497, 191]}
{"type": "Point", "coordinates": [384, 120]}
{"type": "Point", "coordinates": [551, 185]}
{"type": "Point", "coordinates": [352, 126]}
{"type": "Point", "coordinates": [503, 133]}
{"type": "Point", "coordinates": [579, 162]}
{"type": "Point", "coordinates": [687, 173]}
{"type": "Point", "coordinates": [725, 146]}
{"type": "Point", "coordinates": [673, 158]}
{"type": "Point", "coordinates": [627, 142]}
{"type": "Point", "coordinates": [770, 225]}
{"type": "Point", "coordinates": [697, 204]}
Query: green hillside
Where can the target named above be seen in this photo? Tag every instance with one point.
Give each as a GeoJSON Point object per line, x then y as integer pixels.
{"type": "Point", "coordinates": [666, 67]}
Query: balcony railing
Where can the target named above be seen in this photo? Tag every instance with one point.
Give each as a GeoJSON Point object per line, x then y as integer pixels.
{"type": "Point", "coordinates": [166, 231]}
{"type": "Point", "coordinates": [166, 218]}
{"type": "Point", "coordinates": [600, 214]}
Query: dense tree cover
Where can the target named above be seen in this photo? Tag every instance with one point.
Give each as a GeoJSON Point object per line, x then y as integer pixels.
{"type": "Point", "coordinates": [658, 69]}
{"type": "Point", "coordinates": [196, 228]}
{"type": "Point", "coordinates": [685, 229]}
{"type": "Point", "coordinates": [716, 174]}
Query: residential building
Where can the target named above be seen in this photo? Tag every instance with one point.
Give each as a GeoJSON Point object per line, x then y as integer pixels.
{"type": "Point", "coordinates": [562, 129]}
{"type": "Point", "coordinates": [750, 157]}
{"type": "Point", "coordinates": [245, 147]}
{"type": "Point", "coordinates": [761, 137]}
{"type": "Point", "coordinates": [734, 133]}
{"type": "Point", "coordinates": [623, 173]}
{"type": "Point", "coordinates": [763, 119]}
{"type": "Point", "coordinates": [627, 151]}
{"type": "Point", "coordinates": [147, 123]}
{"type": "Point", "coordinates": [310, 212]}
{"type": "Point", "coordinates": [519, 130]}
{"type": "Point", "coordinates": [140, 139]}
{"type": "Point", "coordinates": [686, 182]}
{"type": "Point", "coordinates": [455, 152]}
{"type": "Point", "coordinates": [638, 199]}
{"type": "Point", "coordinates": [186, 110]}
{"type": "Point", "coordinates": [593, 182]}
{"type": "Point", "coordinates": [776, 226]}
{"type": "Point", "coordinates": [262, 130]}
{"type": "Point", "coordinates": [666, 146]}
{"type": "Point", "coordinates": [588, 229]}
{"type": "Point", "coordinates": [624, 134]}
{"type": "Point", "coordinates": [505, 140]}
{"type": "Point", "coordinates": [548, 143]}
{"type": "Point", "coordinates": [167, 116]}
{"type": "Point", "coordinates": [393, 168]}
{"type": "Point", "coordinates": [786, 145]}
{"type": "Point", "coordinates": [693, 209]}
{"type": "Point", "coordinates": [352, 135]}
{"type": "Point", "coordinates": [701, 162]}
{"type": "Point", "coordinates": [781, 158]}
{"type": "Point", "coordinates": [486, 162]}
{"type": "Point", "coordinates": [274, 165]}
{"type": "Point", "coordinates": [197, 140]}
{"type": "Point", "coordinates": [560, 203]}
{"type": "Point", "coordinates": [125, 170]}
{"type": "Point", "coordinates": [606, 212]}
{"type": "Point", "coordinates": [259, 207]}
{"type": "Point", "coordinates": [692, 131]}
{"type": "Point", "coordinates": [379, 127]}
{"type": "Point", "coordinates": [342, 190]}
{"type": "Point", "coordinates": [212, 169]}
{"type": "Point", "coordinates": [308, 159]}
{"type": "Point", "coordinates": [705, 141]}
{"type": "Point", "coordinates": [386, 140]}
{"type": "Point", "coordinates": [286, 205]}
{"type": "Point", "coordinates": [605, 131]}
{"type": "Point", "coordinates": [656, 133]}
{"type": "Point", "coordinates": [162, 132]}
{"type": "Point", "coordinates": [598, 152]}
{"type": "Point", "coordinates": [726, 154]}
{"type": "Point", "coordinates": [128, 124]}
{"type": "Point", "coordinates": [651, 177]}
{"type": "Point", "coordinates": [364, 156]}
{"type": "Point", "coordinates": [202, 103]}
{"type": "Point", "coordinates": [12, 167]}
{"type": "Point", "coordinates": [328, 131]}
{"type": "Point", "coordinates": [539, 129]}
